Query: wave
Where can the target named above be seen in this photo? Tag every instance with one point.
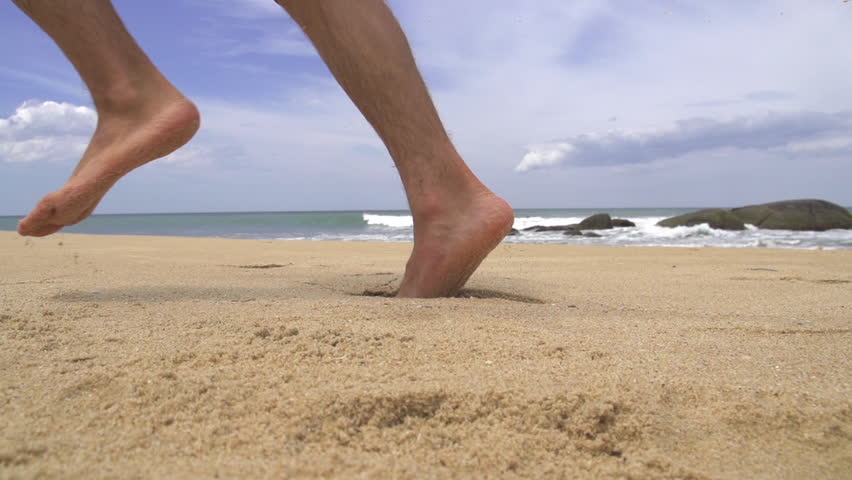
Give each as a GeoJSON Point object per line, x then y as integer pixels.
{"type": "Point", "coordinates": [388, 227]}
{"type": "Point", "coordinates": [406, 221]}
{"type": "Point", "coordinates": [393, 221]}
{"type": "Point", "coordinates": [647, 233]}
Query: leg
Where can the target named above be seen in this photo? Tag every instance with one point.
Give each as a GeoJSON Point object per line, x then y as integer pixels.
{"type": "Point", "coordinates": [457, 220]}
{"type": "Point", "coordinates": [141, 116]}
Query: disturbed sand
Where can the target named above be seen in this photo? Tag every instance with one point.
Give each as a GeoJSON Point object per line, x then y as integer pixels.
{"type": "Point", "coordinates": [148, 357]}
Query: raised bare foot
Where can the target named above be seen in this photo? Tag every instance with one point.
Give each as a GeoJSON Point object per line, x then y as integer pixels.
{"type": "Point", "coordinates": [451, 241]}
{"type": "Point", "coordinates": [132, 136]}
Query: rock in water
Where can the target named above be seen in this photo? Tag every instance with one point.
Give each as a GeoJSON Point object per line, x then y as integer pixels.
{"type": "Point", "coordinates": [817, 215]}
{"type": "Point", "coordinates": [620, 222]}
{"type": "Point", "coordinates": [572, 232]}
{"type": "Point", "coordinates": [716, 218]}
{"type": "Point", "coordinates": [601, 221]}
{"type": "Point", "coordinates": [549, 228]}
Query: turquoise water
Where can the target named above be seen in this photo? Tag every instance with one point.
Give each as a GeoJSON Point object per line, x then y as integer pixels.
{"type": "Point", "coordinates": [305, 225]}
{"type": "Point", "coordinates": [396, 225]}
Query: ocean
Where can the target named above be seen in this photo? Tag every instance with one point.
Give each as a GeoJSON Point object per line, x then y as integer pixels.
{"type": "Point", "coordinates": [396, 226]}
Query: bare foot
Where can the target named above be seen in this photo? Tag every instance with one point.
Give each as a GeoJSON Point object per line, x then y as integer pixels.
{"type": "Point", "coordinates": [122, 141]}
{"type": "Point", "coordinates": [451, 242]}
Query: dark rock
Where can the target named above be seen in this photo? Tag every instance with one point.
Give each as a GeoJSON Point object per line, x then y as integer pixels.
{"type": "Point", "coordinates": [620, 222]}
{"type": "Point", "coordinates": [601, 221]}
{"type": "Point", "coordinates": [817, 215]}
{"type": "Point", "coordinates": [716, 218]}
{"type": "Point", "coordinates": [572, 232]}
{"type": "Point", "coordinates": [549, 228]}
{"type": "Point", "coordinates": [513, 232]}
{"type": "Point", "coordinates": [592, 235]}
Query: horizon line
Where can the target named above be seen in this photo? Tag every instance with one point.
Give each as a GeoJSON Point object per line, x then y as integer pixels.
{"type": "Point", "coordinates": [380, 210]}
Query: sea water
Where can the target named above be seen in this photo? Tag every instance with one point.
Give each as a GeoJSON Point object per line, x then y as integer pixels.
{"type": "Point", "coordinates": [397, 226]}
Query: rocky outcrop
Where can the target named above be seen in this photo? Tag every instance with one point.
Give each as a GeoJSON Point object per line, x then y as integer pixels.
{"type": "Point", "coordinates": [811, 215]}
{"type": "Point", "coordinates": [601, 221]}
{"type": "Point", "coordinates": [716, 218]}
{"type": "Point", "coordinates": [816, 215]}
{"type": "Point", "coordinates": [620, 222]}
{"type": "Point", "coordinates": [549, 228]}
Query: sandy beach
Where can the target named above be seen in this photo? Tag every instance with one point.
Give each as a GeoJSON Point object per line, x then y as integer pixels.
{"type": "Point", "coordinates": [154, 357]}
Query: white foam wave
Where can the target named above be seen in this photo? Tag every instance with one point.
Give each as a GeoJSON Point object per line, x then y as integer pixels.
{"type": "Point", "coordinates": [393, 221]}
{"type": "Point", "coordinates": [406, 221]}
{"type": "Point", "coordinates": [646, 233]}
{"type": "Point", "coordinates": [375, 237]}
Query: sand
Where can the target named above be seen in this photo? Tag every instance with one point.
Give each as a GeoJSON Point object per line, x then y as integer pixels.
{"type": "Point", "coordinates": [151, 357]}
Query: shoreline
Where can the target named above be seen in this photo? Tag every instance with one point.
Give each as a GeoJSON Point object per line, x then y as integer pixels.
{"type": "Point", "coordinates": [187, 357]}
{"type": "Point", "coordinates": [396, 226]}
{"type": "Point", "coordinates": [409, 242]}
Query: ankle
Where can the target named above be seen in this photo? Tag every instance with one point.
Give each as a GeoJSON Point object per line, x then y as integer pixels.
{"type": "Point", "coordinates": [132, 96]}
{"type": "Point", "coordinates": [440, 203]}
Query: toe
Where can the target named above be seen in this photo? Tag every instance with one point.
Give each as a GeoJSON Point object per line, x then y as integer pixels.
{"type": "Point", "coordinates": [66, 206]}
{"type": "Point", "coordinates": [30, 227]}
{"type": "Point", "coordinates": [40, 218]}
{"type": "Point", "coordinates": [41, 231]}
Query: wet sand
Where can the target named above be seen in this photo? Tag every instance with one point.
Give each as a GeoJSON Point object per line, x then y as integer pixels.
{"type": "Point", "coordinates": [151, 357]}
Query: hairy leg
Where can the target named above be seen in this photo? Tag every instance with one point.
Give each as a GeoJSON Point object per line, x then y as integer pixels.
{"type": "Point", "coordinates": [457, 219]}
{"type": "Point", "coordinates": [141, 116]}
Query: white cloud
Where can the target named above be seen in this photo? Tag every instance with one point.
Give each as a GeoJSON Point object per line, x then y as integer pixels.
{"type": "Point", "coordinates": [34, 118]}
{"type": "Point", "coordinates": [545, 156]}
{"type": "Point", "coordinates": [46, 131]}
{"type": "Point", "coordinates": [801, 132]}
{"type": "Point", "coordinates": [55, 132]}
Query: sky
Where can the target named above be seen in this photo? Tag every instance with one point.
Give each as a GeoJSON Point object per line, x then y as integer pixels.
{"type": "Point", "coordinates": [554, 104]}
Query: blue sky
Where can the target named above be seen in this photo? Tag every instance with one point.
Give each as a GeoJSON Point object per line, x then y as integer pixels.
{"type": "Point", "coordinates": [553, 103]}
